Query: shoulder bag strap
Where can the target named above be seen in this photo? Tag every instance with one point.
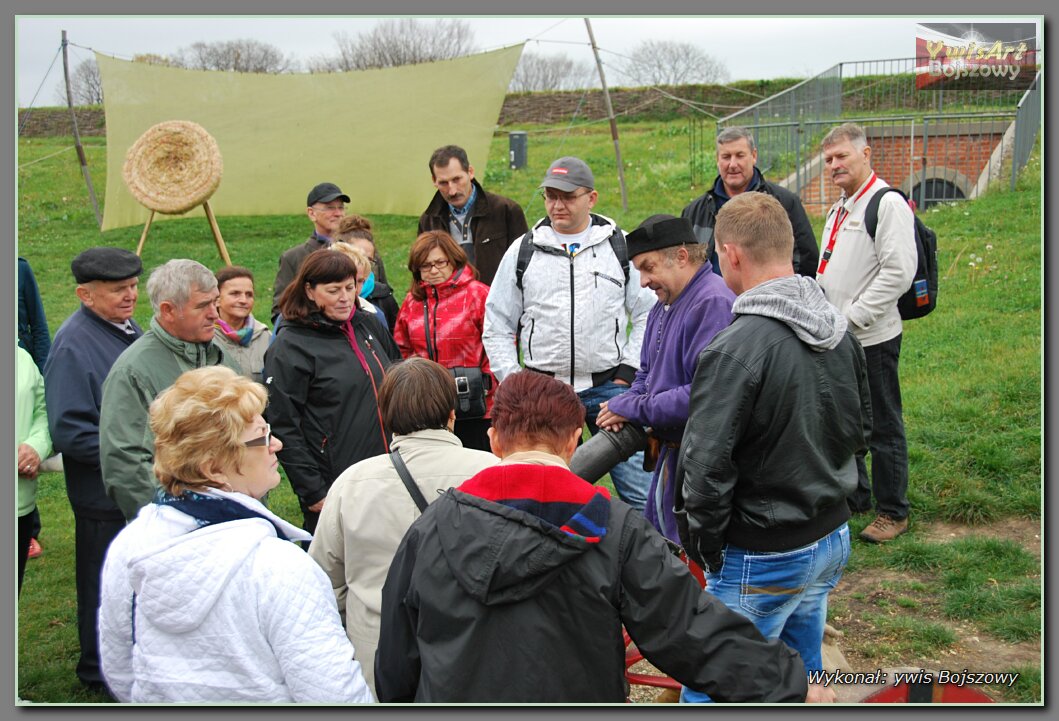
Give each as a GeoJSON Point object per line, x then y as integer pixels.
{"type": "Point", "coordinates": [406, 479]}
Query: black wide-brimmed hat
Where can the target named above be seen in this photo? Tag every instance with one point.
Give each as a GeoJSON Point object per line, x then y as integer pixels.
{"type": "Point", "coordinates": [658, 232]}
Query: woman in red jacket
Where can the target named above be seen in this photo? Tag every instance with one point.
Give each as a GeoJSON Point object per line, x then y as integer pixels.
{"type": "Point", "coordinates": [441, 319]}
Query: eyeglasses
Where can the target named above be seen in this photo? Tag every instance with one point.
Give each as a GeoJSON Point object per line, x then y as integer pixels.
{"type": "Point", "coordinates": [436, 265]}
{"type": "Point", "coordinates": [566, 198]}
{"type": "Point", "coordinates": [328, 207]}
{"type": "Point", "coordinates": [265, 440]}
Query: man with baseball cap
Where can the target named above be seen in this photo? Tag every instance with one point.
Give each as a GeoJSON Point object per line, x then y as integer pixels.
{"type": "Point", "coordinates": [694, 304]}
{"type": "Point", "coordinates": [326, 206]}
{"type": "Point", "coordinates": [565, 295]}
{"type": "Point", "coordinates": [85, 347]}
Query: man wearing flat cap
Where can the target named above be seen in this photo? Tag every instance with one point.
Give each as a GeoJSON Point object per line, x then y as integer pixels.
{"type": "Point", "coordinates": [326, 206]}
{"type": "Point", "coordinates": [694, 304]}
{"type": "Point", "coordinates": [566, 293]}
{"type": "Point", "coordinates": [85, 348]}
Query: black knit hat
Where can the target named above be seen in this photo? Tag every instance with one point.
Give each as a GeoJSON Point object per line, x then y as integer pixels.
{"type": "Point", "coordinates": [105, 263]}
{"type": "Point", "coordinates": [658, 232]}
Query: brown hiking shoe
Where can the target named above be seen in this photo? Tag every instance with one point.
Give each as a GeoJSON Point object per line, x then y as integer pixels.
{"type": "Point", "coordinates": [884, 528]}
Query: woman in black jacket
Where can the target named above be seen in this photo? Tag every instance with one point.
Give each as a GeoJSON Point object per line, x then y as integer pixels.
{"type": "Point", "coordinates": [323, 373]}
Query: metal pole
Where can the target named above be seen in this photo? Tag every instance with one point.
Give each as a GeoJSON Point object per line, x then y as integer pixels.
{"type": "Point", "coordinates": [610, 115]}
{"type": "Point", "coordinates": [77, 137]}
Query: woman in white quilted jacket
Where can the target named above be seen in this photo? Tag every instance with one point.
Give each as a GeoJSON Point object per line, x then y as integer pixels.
{"type": "Point", "coordinates": [204, 596]}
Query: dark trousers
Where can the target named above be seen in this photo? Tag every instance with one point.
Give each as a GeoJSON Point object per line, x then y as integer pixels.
{"type": "Point", "coordinates": [92, 538]}
{"type": "Point", "coordinates": [34, 532]}
{"type": "Point", "coordinates": [889, 450]}
{"type": "Point", "coordinates": [25, 532]}
{"type": "Point", "coordinates": [309, 521]}
{"type": "Point", "coordinates": [472, 432]}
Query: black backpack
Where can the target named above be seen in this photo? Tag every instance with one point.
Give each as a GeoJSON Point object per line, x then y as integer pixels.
{"type": "Point", "coordinates": [526, 248]}
{"type": "Point", "coordinates": [922, 295]}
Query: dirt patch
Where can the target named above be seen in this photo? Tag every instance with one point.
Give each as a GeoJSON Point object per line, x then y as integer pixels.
{"type": "Point", "coordinates": [860, 596]}
{"type": "Point", "coordinates": [876, 591]}
{"type": "Point", "coordinates": [1024, 531]}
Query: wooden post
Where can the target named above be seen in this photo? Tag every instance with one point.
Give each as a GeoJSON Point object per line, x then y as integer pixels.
{"type": "Point", "coordinates": [77, 140]}
{"type": "Point", "coordinates": [216, 233]}
{"type": "Point", "coordinates": [610, 114]}
{"type": "Point", "coordinates": [143, 237]}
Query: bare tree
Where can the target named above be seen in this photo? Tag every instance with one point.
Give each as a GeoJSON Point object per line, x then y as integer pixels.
{"type": "Point", "coordinates": [154, 59]}
{"type": "Point", "coordinates": [668, 62]}
{"type": "Point", "coordinates": [404, 41]}
{"type": "Point", "coordinates": [548, 72]}
{"type": "Point", "coordinates": [242, 56]}
{"type": "Point", "coordinates": [86, 85]}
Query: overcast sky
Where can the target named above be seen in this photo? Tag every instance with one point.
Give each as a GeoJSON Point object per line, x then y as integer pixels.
{"type": "Point", "coordinates": [751, 48]}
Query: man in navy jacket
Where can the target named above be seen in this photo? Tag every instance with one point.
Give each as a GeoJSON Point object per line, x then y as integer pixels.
{"type": "Point", "coordinates": [86, 346]}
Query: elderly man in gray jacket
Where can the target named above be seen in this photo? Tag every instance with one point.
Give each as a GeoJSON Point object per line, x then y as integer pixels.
{"type": "Point", "coordinates": [567, 292]}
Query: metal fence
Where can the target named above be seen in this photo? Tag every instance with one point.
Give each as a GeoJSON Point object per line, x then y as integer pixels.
{"type": "Point", "coordinates": [1027, 123]}
{"type": "Point", "coordinates": [947, 155]}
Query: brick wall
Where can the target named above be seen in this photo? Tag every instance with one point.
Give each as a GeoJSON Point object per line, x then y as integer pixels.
{"type": "Point", "coordinates": [963, 150]}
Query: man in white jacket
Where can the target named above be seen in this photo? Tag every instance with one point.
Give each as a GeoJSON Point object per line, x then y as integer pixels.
{"type": "Point", "coordinates": [570, 314]}
{"type": "Point", "coordinates": [863, 277]}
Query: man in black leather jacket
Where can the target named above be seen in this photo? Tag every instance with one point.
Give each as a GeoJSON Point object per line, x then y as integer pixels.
{"type": "Point", "coordinates": [779, 406]}
{"type": "Point", "coordinates": [737, 172]}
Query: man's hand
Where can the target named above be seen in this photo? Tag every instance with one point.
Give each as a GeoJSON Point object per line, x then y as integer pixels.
{"type": "Point", "coordinates": [818, 693]}
{"type": "Point", "coordinates": [318, 506]}
{"type": "Point", "coordinates": [608, 420]}
{"type": "Point", "coordinates": [28, 461]}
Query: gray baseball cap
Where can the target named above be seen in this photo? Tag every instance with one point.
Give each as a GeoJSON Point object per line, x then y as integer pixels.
{"type": "Point", "coordinates": [568, 174]}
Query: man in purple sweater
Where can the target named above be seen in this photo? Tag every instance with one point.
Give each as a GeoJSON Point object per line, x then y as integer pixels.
{"type": "Point", "coordinates": [694, 304]}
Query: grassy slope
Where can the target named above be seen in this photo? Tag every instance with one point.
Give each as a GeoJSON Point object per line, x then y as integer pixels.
{"type": "Point", "coordinates": [971, 372]}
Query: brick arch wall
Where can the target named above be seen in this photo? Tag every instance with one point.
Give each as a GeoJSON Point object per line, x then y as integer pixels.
{"type": "Point", "coordinates": [958, 151]}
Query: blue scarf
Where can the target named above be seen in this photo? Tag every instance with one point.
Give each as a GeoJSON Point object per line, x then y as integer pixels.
{"type": "Point", "coordinates": [460, 212]}
{"type": "Point", "coordinates": [369, 285]}
{"type": "Point", "coordinates": [208, 510]}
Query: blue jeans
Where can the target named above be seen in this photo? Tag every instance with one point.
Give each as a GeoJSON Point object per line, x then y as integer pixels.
{"type": "Point", "coordinates": [631, 481]}
{"type": "Point", "coordinates": [794, 606]}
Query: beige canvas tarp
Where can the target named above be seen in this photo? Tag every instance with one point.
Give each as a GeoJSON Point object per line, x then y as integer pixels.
{"type": "Point", "coordinates": [371, 131]}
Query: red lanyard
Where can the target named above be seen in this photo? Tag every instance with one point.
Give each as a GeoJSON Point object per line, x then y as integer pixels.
{"type": "Point", "coordinates": [841, 217]}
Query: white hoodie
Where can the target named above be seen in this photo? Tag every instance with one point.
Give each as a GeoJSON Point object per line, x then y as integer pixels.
{"type": "Point", "coordinates": [224, 613]}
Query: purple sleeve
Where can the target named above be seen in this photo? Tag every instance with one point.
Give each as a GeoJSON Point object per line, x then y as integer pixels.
{"type": "Point", "coordinates": [669, 407]}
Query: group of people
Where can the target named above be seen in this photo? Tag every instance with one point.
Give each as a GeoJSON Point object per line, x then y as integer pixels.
{"type": "Point", "coordinates": [453, 555]}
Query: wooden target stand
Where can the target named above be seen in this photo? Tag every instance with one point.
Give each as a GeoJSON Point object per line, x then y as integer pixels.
{"type": "Point", "coordinates": [213, 226]}
{"type": "Point", "coordinates": [174, 167]}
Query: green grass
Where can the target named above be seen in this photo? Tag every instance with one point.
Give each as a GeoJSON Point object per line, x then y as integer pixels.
{"type": "Point", "coordinates": [970, 374]}
{"type": "Point", "coordinates": [1026, 689]}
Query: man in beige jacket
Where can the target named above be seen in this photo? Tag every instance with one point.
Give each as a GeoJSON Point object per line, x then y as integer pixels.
{"type": "Point", "coordinates": [368, 509]}
{"type": "Point", "coordinates": [863, 277]}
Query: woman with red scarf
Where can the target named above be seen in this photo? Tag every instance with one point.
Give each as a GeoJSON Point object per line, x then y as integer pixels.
{"type": "Point", "coordinates": [441, 319]}
{"type": "Point", "coordinates": [323, 373]}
